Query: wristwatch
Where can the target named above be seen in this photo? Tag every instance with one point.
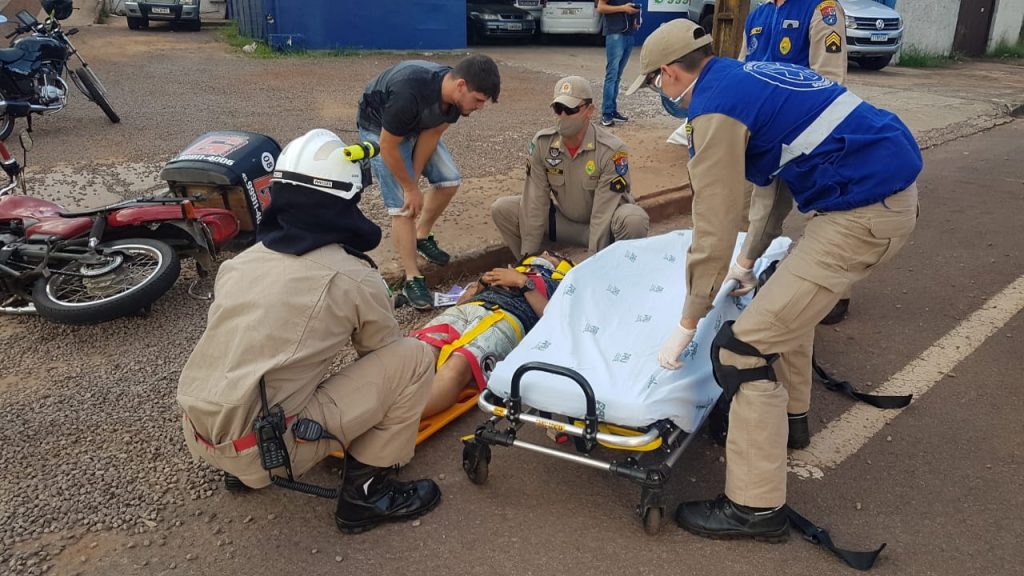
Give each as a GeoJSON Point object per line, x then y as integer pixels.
{"type": "Point", "coordinates": [528, 286]}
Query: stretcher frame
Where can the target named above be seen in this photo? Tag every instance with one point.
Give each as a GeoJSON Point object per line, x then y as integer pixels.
{"type": "Point", "coordinates": [660, 444]}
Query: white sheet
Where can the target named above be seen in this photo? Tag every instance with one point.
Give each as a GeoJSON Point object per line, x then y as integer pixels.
{"type": "Point", "coordinates": [607, 321]}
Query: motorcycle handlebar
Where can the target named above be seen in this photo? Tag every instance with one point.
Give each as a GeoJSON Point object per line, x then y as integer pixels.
{"type": "Point", "coordinates": [363, 150]}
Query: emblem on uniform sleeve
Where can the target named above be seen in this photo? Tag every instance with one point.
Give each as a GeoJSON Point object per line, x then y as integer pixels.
{"type": "Point", "coordinates": [753, 43]}
{"type": "Point", "coordinates": [785, 46]}
{"type": "Point", "coordinates": [619, 184]}
{"type": "Point", "coordinates": [590, 168]}
{"type": "Point", "coordinates": [756, 30]}
{"type": "Point", "coordinates": [532, 148]}
{"type": "Point", "coordinates": [621, 161]}
{"type": "Point", "coordinates": [829, 14]}
{"type": "Point", "coordinates": [833, 43]}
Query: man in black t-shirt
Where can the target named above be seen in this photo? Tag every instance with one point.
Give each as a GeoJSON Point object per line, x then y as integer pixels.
{"type": "Point", "coordinates": [405, 110]}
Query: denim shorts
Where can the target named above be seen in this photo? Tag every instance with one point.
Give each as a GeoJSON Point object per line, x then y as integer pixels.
{"type": "Point", "coordinates": [440, 171]}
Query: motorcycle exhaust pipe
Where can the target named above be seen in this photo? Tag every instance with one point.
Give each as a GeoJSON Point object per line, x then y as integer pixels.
{"type": "Point", "coordinates": [21, 108]}
{"type": "Point", "coordinates": [18, 310]}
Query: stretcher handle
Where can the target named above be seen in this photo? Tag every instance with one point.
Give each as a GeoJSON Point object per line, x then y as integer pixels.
{"type": "Point", "coordinates": [515, 399]}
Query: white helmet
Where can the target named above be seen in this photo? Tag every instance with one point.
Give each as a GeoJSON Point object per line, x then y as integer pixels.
{"type": "Point", "coordinates": [315, 160]}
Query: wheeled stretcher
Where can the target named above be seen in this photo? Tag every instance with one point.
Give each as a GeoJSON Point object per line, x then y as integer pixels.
{"type": "Point", "coordinates": [588, 371]}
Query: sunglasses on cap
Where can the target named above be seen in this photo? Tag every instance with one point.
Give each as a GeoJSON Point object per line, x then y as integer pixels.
{"type": "Point", "coordinates": [562, 109]}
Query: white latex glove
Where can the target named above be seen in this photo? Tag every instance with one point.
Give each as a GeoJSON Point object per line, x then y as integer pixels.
{"type": "Point", "coordinates": [673, 348]}
{"type": "Point", "coordinates": [745, 277]}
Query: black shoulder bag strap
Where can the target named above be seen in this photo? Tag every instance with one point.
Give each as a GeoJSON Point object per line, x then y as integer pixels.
{"type": "Point", "coordinates": [862, 561]}
{"type": "Point", "coordinates": [844, 387]}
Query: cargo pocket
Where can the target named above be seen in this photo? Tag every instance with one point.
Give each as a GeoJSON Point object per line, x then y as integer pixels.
{"type": "Point", "coordinates": [892, 231]}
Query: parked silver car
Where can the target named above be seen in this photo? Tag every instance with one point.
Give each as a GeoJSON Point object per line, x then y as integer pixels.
{"type": "Point", "coordinates": [141, 12]}
{"type": "Point", "coordinates": [874, 32]}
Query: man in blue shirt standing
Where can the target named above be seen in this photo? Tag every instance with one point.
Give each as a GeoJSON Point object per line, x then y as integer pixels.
{"type": "Point", "coordinates": [852, 166]}
{"type": "Point", "coordinates": [621, 19]}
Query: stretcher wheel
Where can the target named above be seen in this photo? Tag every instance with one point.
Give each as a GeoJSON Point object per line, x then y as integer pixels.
{"type": "Point", "coordinates": [652, 520]}
{"type": "Point", "coordinates": [476, 460]}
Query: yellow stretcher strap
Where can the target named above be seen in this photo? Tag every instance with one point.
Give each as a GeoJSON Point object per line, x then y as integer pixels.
{"type": "Point", "coordinates": [496, 315]}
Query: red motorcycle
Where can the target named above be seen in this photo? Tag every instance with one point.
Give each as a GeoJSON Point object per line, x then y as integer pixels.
{"type": "Point", "coordinates": [95, 265]}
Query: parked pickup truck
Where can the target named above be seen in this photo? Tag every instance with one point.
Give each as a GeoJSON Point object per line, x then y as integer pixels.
{"type": "Point", "coordinates": [874, 32]}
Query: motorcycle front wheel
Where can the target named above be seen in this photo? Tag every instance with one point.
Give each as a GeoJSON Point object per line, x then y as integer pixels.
{"type": "Point", "coordinates": [132, 274]}
{"type": "Point", "coordinates": [95, 93]}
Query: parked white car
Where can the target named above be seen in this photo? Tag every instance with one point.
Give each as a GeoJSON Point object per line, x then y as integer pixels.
{"type": "Point", "coordinates": [570, 17]}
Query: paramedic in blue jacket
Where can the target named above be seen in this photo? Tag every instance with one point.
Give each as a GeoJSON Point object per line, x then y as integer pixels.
{"type": "Point", "coordinates": [850, 165]}
{"type": "Point", "coordinates": [810, 33]}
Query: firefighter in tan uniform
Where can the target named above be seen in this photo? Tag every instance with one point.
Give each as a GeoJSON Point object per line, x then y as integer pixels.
{"type": "Point", "coordinates": [852, 166]}
{"type": "Point", "coordinates": [284, 309]}
{"type": "Point", "coordinates": [577, 183]}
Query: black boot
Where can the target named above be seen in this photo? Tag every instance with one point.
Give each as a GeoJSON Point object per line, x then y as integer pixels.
{"type": "Point", "coordinates": [721, 518]}
{"type": "Point", "coordinates": [838, 312]}
{"type": "Point", "coordinates": [370, 496]}
{"type": "Point", "coordinates": [799, 433]}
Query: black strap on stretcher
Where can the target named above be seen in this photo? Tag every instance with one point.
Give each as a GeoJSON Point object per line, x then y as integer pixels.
{"type": "Point", "coordinates": [862, 561]}
{"type": "Point", "coordinates": [844, 387]}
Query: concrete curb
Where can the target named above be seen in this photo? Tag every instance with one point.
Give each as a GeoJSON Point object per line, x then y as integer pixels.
{"type": "Point", "coordinates": [660, 206]}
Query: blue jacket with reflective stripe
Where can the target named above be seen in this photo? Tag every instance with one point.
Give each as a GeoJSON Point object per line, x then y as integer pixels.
{"type": "Point", "coordinates": [780, 34]}
{"type": "Point", "coordinates": [867, 156]}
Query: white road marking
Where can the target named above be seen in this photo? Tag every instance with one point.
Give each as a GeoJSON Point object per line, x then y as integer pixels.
{"type": "Point", "coordinates": [846, 434]}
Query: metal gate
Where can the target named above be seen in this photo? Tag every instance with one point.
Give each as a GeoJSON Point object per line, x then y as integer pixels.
{"type": "Point", "coordinates": [973, 26]}
{"type": "Point", "coordinates": [251, 17]}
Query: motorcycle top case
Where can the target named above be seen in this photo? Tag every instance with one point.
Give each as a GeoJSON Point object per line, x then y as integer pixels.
{"type": "Point", "coordinates": [229, 169]}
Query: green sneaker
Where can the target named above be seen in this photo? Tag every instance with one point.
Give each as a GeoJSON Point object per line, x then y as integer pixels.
{"type": "Point", "coordinates": [415, 291]}
{"type": "Point", "coordinates": [428, 248]}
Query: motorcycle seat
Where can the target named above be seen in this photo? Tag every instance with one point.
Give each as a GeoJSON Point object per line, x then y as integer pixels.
{"type": "Point", "coordinates": [9, 55]}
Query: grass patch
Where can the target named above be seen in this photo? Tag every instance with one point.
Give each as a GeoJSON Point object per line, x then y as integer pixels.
{"type": "Point", "coordinates": [1007, 50]}
{"type": "Point", "coordinates": [911, 57]}
{"type": "Point", "coordinates": [233, 38]}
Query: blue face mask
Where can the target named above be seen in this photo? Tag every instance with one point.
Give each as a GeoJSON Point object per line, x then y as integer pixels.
{"type": "Point", "coordinates": [671, 105]}
{"type": "Point", "coordinates": [673, 109]}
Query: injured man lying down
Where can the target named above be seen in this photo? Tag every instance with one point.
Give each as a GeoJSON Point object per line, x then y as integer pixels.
{"type": "Point", "coordinates": [488, 321]}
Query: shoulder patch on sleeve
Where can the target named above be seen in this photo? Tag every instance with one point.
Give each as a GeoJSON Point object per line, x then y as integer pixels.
{"type": "Point", "coordinates": [829, 13]}
{"type": "Point", "coordinates": [621, 161]}
{"type": "Point", "coordinates": [619, 184]}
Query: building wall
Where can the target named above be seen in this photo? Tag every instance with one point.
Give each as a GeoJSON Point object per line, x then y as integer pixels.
{"type": "Point", "coordinates": [929, 25]}
{"type": "Point", "coordinates": [1007, 22]}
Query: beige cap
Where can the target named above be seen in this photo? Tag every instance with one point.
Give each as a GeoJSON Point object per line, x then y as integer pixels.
{"type": "Point", "coordinates": [670, 42]}
{"type": "Point", "coordinates": [572, 91]}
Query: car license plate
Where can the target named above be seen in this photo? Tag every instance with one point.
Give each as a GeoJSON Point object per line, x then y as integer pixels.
{"type": "Point", "coordinates": [159, 10]}
{"type": "Point", "coordinates": [571, 11]}
{"type": "Point", "coordinates": [514, 26]}
{"type": "Point", "coordinates": [879, 37]}
{"type": "Point", "coordinates": [529, 2]}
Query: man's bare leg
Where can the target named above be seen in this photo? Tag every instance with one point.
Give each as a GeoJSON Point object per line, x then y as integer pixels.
{"type": "Point", "coordinates": [404, 231]}
{"type": "Point", "coordinates": [455, 375]}
{"type": "Point", "coordinates": [434, 204]}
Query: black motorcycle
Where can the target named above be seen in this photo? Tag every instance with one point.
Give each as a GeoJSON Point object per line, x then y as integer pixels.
{"type": "Point", "coordinates": [32, 70]}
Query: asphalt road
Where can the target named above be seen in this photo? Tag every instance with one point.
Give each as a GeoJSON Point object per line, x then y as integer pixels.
{"type": "Point", "coordinates": [939, 484]}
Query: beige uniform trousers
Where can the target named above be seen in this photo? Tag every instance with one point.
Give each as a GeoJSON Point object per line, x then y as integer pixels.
{"type": "Point", "coordinates": [837, 250]}
{"type": "Point", "coordinates": [628, 221]}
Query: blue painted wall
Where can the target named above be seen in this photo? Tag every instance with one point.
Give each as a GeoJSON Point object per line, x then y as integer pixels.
{"type": "Point", "coordinates": [368, 24]}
